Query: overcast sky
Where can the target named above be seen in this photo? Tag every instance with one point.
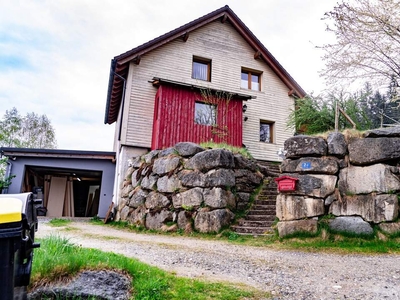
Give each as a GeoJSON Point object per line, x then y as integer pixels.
{"type": "Point", "coordinates": [55, 55]}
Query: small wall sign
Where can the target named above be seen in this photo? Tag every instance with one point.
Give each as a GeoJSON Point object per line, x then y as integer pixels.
{"type": "Point", "coordinates": [306, 165]}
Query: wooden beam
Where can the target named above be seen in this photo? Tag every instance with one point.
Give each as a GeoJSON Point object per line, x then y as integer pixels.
{"type": "Point", "coordinates": [185, 36]}
{"type": "Point", "coordinates": [257, 55]}
{"type": "Point", "coordinates": [136, 60]}
{"type": "Point", "coordinates": [224, 18]}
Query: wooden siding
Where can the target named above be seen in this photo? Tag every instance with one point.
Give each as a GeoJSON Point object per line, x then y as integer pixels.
{"type": "Point", "coordinates": [228, 53]}
{"type": "Point", "coordinates": [174, 119]}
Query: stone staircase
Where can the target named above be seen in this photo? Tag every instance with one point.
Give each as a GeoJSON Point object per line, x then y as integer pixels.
{"type": "Point", "coordinates": [262, 213]}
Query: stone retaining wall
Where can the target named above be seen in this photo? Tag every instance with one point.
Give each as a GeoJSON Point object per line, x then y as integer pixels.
{"type": "Point", "coordinates": [354, 181]}
{"type": "Point", "coordinates": [187, 187]}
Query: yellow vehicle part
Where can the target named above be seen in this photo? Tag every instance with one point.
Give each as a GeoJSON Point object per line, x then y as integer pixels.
{"type": "Point", "coordinates": [10, 210]}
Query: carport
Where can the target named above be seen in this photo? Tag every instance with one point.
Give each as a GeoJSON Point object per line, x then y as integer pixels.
{"type": "Point", "coordinates": [72, 183]}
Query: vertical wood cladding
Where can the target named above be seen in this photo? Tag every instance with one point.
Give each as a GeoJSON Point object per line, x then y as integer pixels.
{"type": "Point", "coordinates": [174, 121]}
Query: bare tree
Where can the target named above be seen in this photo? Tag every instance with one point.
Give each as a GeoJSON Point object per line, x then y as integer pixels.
{"type": "Point", "coordinates": [367, 42]}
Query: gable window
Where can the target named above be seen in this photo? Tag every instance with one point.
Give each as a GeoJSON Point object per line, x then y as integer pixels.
{"type": "Point", "coordinates": [201, 68]}
{"type": "Point", "coordinates": [266, 131]}
{"type": "Point", "coordinates": [251, 80]}
{"type": "Point", "coordinates": [205, 114]}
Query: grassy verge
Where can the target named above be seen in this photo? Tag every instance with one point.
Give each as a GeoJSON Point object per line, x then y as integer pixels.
{"type": "Point", "coordinates": [324, 240]}
{"type": "Point", "coordinates": [58, 259]}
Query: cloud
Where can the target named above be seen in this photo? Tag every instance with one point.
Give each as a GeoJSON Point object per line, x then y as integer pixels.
{"type": "Point", "coordinates": [55, 55]}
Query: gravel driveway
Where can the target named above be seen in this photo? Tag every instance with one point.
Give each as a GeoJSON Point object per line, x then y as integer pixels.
{"type": "Point", "coordinates": [285, 274]}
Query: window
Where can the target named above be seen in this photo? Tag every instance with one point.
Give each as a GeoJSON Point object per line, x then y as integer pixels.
{"type": "Point", "coordinates": [251, 80]}
{"type": "Point", "coordinates": [205, 114]}
{"type": "Point", "coordinates": [201, 69]}
{"type": "Point", "coordinates": [266, 131]}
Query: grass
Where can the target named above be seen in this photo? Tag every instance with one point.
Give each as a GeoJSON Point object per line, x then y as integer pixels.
{"type": "Point", "coordinates": [324, 241]}
{"type": "Point", "coordinates": [58, 260]}
{"type": "Point", "coordinates": [59, 222]}
{"type": "Point", "coordinates": [243, 151]}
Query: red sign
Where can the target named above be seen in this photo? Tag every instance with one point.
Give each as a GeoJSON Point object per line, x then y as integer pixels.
{"type": "Point", "coordinates": [286, 183]}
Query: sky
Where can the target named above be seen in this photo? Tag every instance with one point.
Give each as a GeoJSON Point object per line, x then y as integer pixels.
{"type": "Point", "coordinates": [55, 54]}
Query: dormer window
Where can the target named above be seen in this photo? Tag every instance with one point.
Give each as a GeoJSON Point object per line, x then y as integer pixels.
{"type": "Point", "coordinates": [201, 68]}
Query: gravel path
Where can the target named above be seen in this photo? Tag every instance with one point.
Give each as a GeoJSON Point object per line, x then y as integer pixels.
{"type": "Point", "coordinates": [285, 274]}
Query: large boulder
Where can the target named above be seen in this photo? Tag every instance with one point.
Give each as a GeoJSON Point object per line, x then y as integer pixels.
{"type": "Point", "coordinates": [374, 150]}
{"type": "Point", "coordinates": [212, 221]}
{"type": "Point", "coordinates": [219, 198]}
{"type": "Point", "coordinates": [211, 159]}
{"type": "Point", "coordinates": [318, 165]}
{"type": "Point", "coordinates": [138, 197]}
{"type": "Point", "coordinates": [138, 216]}
{"type": "Point", "coordinates": [314, 185]}
{"type": "Point", "coordinates": [243, 200]}
{"type": "Point", "coordinates": [351, 225]}
{"type": "Point", "coordinates": [165, 164]}
{"type": "Point", "coordinates": [155, 220]}
{"type": "Point", "coordinates": [126, 191]}
{"type": "Point", "coordinates": [242, 162]}
{"type": "Point", "coordinates": [149, 157]}
{"type": "Point", "coordinates": [187, 149]}
{"type": "Point", "coordinates": [371, 207]}
{"type": "Point", "coordinates": [290, 227]}
{"type": "Point", "coordinates": [390, 228]}
{"type": "Point", "coordinates": [247, 180]}
{"type": "Point", "coordinates": [167, 184]}
{"type": "Point", "coordinates": [124, 213]}
{"type": "Point", "coordinates": [291, 207]}
{"type": "Point", "coordinates": [213, 178]}
{"type": "Point", "coordinates": [377, 178]}
{"type": "Point", "coordinates": [149, 182]}
{"type": "Point", "coordinates": [156, 200]}
{"type": "Point", "coordinates": [189, 199]}
{"type": "Point", "coordinates": [337, 145]}
{"type": "Point", "coordinates": [184, 219]}
{"type": "Point", "coordinates": [303, 145]}
{"type": "Point", "coordinates": [384, 132]}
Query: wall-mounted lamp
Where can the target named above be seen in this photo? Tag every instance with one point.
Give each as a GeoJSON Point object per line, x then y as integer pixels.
{"type": "Point", "coordinates": [244, 108]}
{"type": "Point", "coordinates": [246, 118]}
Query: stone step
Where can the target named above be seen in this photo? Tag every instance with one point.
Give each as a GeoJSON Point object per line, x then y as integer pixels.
{"type": "Point", "coordinates": [260, 212]}
{"type": "Point", "coordinates": [264, 202]}
{"type": "Point", "coordinates": [252, 230]}
{"type": "Point", "coordinates": [260, 217]}
{"type": "Point", "coordinates": [266, 208]}
{"type": "Point", "coordinates": [267, 197]}
{"type": "Point", "coordinates": [248, 223]}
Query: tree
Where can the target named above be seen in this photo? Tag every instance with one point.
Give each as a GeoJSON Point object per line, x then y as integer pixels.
{"type": "Point", "coordinates": [367, 42]}
{"type": "Point", "coordinates": [29, 131]}
{"type": "Point", "coordinates": [366, 108]}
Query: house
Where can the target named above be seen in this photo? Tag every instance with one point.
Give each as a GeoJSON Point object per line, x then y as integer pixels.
{"type": "Point", "coordinates": [71, 183]}
{"type": "Point", "coordinates": [210, 79]}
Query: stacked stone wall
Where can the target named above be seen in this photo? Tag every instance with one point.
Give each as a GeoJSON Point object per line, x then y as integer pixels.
{"type": "Point", "coordinates": [187, 187]}
{"type": "Point", "coordinates": [353, 180]}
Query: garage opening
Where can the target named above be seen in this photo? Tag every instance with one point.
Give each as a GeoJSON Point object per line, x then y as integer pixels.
{"type": "Point", "coordinates": [65, 192]}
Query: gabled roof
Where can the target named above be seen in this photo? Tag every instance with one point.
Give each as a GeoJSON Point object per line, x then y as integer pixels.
{"type": "Point", "coordinates": [120, 64]}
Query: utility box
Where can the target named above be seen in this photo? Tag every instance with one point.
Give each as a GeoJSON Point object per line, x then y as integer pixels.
{"type": "Point", "coordinates": [286, 183]}
{"type": "Point", "coordinates": [18, 223]}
